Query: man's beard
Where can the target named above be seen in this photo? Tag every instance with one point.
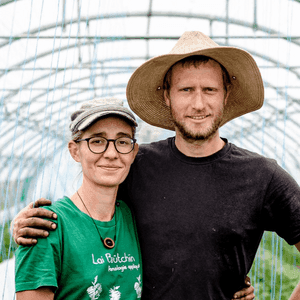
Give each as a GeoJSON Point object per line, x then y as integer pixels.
{"type": "Point", "coordinates": [190, 136]}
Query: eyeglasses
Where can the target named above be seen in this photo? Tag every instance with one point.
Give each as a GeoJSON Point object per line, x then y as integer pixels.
{"type": "Point", "coordinates": [99, 145]}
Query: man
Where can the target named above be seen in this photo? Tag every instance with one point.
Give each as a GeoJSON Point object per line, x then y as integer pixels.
{"type": "Point", "coordinates": [201, 204]}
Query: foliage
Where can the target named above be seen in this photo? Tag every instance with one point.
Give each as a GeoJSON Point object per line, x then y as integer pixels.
{"type": "Point", "coordinates": [275, 272]}
{"type": "Point", "coordinates": [8, 246]}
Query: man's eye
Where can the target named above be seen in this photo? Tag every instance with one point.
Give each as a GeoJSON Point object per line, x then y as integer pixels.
{"type": "Point", "coordinates": [208, 89]}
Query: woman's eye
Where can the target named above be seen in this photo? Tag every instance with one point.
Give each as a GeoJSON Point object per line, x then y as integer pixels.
{"type": "Point", "coordinates": [124, 142]}
{"type": "Point", "coordinates": [97, 141]}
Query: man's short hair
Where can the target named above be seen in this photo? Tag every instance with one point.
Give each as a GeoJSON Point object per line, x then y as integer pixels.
{"type": "Point", "coordinates": [196, 61]}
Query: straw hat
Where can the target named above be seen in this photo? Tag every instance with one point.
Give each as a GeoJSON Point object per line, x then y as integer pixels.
{"type": "Point", "coordinates": [145, 87]}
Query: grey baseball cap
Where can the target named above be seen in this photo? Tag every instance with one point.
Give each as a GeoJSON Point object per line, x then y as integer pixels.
{"type": "Point", "coordinates": [97, 108]}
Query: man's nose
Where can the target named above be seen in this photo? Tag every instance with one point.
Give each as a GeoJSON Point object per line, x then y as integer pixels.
{"type": "Point", "coordinates": [198, 100]}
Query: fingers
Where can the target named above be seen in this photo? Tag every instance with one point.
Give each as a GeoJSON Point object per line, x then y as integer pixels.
{"type": "Point", "coordinates": [33, 233]}
{"type": "Point", "coordinates": [39, 212]}
{"type": "Point", "coordinates": [32, 217]}
{"type": "Point", "coordinates": [25, 242]}
{"type": "Point", "coordinates": [246, 293]}
{"type": "Point", "coordinates": [27, 230]}
{"type": "Point", "coordinates": [247, 281]}
{"type": "Point", "coordinates": [35, 223]}
{"type": "Point", "coordinates": [40, 202]}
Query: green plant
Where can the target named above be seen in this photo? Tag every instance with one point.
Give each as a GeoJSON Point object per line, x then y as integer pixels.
{"type": "Point", "coordinates": [8, 246]}
{"type": "Point", "coordinates": [275, 271]}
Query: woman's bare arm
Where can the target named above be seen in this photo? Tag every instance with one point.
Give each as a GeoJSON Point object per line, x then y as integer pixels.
{"type": "Point", "coordinates": [43, 293]}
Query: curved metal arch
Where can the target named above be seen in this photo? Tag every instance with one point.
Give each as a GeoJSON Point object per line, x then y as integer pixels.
{"type": "Point", "coordinates": [230, 21]}
{"type": "Point", "coordinates": [9, 95]}
{"type": "Point", "coordinates": [291, 156]}
{"type": "Point", "coordinates": [149, 14]}
{"type": "Point", "coordinates": [218, 19]}
{"type": "Point", "coordinates": [279, 111]}
{"type": "Point", "coordinates": [268, 122]}
{"type": "Point", "coordinates": [61, 145]}
{"type": "Point", "coordinates": [87, 44]}
{"type": "Point", "coordinates": [79, 90]}
{"type": "Point", "coordinates": [250, 133]}
{"type": "Point", "coordinates": [112, 87]}
{"type": "Point", "coordinates": [254, 141]}
{"type": "Point", "coordinates": [55, 71]}
{"type": "Point", "coordinates": [27, 170]}
{"type": "Point", "coordinates": [34, 126]}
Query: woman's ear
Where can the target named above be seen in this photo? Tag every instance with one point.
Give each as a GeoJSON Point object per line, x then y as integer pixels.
{"type": "Point", "coordinates": [135, 151]}
{"type": "Point", "coordinates": [74, 150]}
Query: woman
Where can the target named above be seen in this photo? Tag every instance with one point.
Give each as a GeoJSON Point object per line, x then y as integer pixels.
{"type": "Point", "coordinates": [94, 253]}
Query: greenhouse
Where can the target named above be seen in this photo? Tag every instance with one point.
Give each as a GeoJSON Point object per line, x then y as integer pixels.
{"type": "Point", "coordinates": [56, 54]}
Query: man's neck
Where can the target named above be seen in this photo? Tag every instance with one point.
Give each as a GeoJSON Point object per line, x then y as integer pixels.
{"type": "Point", "coordinates": [199, 148]}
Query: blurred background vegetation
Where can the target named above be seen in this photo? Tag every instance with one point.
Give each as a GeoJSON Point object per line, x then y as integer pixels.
{"type": "Point", "coordinates": [276, 268]}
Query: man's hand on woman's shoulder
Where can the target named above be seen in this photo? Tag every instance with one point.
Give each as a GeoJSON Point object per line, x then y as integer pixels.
{"type": "Point", "coordinates": [29, 224]}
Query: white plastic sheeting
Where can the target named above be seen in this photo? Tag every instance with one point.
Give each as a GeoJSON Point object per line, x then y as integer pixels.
{"type": "Point", "coordinates": [56, 54]}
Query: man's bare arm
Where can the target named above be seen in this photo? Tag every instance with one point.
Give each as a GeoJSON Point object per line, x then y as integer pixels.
{"type": "Point", "coordinates": [29, 223]}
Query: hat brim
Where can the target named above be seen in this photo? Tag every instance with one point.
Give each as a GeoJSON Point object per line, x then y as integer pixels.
{"type": "Point", "coordinates": [145, 87]}
{"type": "Point", "coordinates": [95, 116]}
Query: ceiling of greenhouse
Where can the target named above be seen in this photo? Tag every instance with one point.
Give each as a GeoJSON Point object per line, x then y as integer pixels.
{"type": "Point", "coordinates": [55, 54]}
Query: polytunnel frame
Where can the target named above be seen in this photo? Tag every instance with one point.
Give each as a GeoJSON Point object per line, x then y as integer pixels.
{"type": "Point", "coordinates": [94, 40]}
{"type": "Point", "coordinates": [58, 143]}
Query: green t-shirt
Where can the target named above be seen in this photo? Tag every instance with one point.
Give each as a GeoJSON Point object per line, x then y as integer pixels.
{"type": "Point", "coordinates": [74, 261]}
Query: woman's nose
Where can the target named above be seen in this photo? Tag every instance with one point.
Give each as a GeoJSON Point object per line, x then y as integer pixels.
{"type": "Point", "coordinates": [111, 151]}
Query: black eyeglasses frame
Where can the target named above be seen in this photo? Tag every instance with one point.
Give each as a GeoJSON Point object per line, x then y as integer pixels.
{"type": "Point", "coordinates": [108, 140]}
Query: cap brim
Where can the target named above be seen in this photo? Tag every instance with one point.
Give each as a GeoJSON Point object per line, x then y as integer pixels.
{"type": "Point", "coordinates": [93, 117]}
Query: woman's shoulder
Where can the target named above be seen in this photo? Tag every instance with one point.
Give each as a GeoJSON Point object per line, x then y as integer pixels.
{"type": "Point", "coordinates": [61, 206]}
{"type": "Point", "coordinates": [122, 205]}
{"type": "Point", "coordinates": [124, 209]}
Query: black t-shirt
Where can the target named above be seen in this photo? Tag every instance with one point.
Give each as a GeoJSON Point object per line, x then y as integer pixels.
{"type": "Point", "coordinates": [200, 220]}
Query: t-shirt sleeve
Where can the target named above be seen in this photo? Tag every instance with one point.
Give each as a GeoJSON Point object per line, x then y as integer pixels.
{"type": "Point", "coordinates": [282, 206]}
{"type": "Point", "coordinates": [39, 265]}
